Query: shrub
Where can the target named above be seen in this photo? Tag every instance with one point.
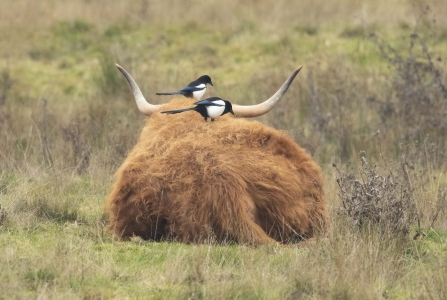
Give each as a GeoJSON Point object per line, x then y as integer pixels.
{"type": "Point", "coordinates": [373, 199]}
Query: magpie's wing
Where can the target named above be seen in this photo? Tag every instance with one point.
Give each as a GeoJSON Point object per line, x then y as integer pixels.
{"type": "Point", "coordinates": [208, 102]}
{"type": "Point", "coordinates": [191, 89]}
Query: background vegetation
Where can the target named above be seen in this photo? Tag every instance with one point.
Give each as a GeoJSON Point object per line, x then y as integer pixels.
{"type": "Point", "coordinates": [370, 105]}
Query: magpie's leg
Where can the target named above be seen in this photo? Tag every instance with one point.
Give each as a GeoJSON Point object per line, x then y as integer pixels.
{"type": "Point", "coordinates": [212, 120]}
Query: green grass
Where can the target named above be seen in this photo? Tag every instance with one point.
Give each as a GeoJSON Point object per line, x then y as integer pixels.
{"type": "Point", "coordinates": [62, 100]}
{"type": "Point", "coordinates": [75, 260]}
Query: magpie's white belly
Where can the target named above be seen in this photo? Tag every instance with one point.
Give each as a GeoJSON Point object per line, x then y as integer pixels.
{"type": "Point", "coordinates": [215, 111]}
{"type": "Point", "coordinates": [199, 94]}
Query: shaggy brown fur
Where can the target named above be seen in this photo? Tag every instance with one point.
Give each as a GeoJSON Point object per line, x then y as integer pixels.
{"type": "Point", "coordinates": [231, 180]}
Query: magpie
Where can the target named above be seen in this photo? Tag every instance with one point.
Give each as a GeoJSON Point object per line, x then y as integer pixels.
{"type": "Point", "coordinates": [195, 89]}
{"type": "Point", "coordinates": [212, 108]}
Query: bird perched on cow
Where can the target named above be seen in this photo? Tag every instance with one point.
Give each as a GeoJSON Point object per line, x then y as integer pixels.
{"type": "Point", "coordinates": [212, 108]}
{"type": "Point", "coordinates": [195, 89]}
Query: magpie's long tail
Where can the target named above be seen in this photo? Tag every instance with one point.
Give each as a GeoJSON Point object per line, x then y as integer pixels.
{"type": "Point", "coordinates": [170, 112]}
{"type": "Point", "coordinates": [168, 93]}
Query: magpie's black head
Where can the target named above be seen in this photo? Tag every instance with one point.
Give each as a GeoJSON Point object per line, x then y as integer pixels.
{"type": "Point", "coordinates": [228, 107]}
{"type": "Point", "coordinates": [205, 79]}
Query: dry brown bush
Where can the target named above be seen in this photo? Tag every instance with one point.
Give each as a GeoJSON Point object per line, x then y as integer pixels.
{"type": "Point", "coordinates": [401, 195]}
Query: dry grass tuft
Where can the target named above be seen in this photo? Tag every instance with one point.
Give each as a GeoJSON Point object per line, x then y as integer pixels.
{"type": "Point", "coordinates": [372, 199]}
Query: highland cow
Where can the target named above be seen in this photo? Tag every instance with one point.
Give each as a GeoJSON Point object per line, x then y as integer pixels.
{"type": "Point", "coordinates": [233, 180]}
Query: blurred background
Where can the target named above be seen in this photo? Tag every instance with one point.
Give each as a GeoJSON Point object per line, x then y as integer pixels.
{"type": "Point", "coordinates": [374, 77]}
{"type": "Point", "coordinates": [369, 67]}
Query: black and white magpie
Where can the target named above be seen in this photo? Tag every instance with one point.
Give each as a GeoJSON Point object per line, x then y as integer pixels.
{"type": "Point", "coordinates": [195, 89]}
{"type": "Point", "coordinates": [212, 107]}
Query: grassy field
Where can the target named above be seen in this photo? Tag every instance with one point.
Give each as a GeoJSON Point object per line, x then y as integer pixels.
{"type": "Point", "coordinates": [371, 100]}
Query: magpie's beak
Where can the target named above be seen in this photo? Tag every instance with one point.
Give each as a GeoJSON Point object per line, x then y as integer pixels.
{"type": "Point", "coordinates": [231, 111]}
{"type": "Point", "coordinates": [211, 83]}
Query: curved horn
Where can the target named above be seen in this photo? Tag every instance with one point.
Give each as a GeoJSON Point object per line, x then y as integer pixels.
{"type": "Point", "coordinates": [144, 106]}
{"type": "Point", "coordinates": [251, 111]}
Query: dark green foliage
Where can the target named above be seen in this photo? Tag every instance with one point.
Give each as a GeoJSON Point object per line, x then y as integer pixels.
{"type": "Point", "coordinates": [38, 278]}
{"type": "Point", "coordinates": [353, 32]}
{"type": "Point", "coordinates": [108, 80]}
